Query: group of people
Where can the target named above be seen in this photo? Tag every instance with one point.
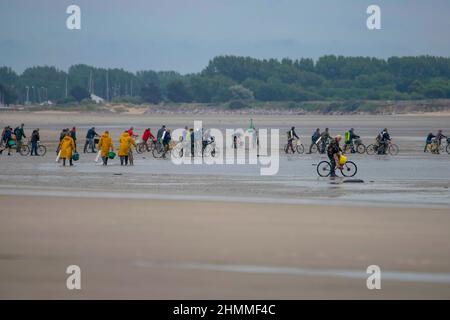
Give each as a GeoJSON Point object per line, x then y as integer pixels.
{"type": "Point", "coordinates": [67, 147]}
{"type": "Point", "coordinates": [13, 139]}
{"type": "Point", "coordinates": [68, 144]}
{"type": "Point", "coordinates": [321, 140]}
{"type": "Point", "coordinates": [433, 142]}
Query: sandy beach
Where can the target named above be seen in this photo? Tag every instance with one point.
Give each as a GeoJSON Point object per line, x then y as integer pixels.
{"type": "Point", "coordinates": [161, 249]}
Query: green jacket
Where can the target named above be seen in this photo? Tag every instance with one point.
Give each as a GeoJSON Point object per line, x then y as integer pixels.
{"type": "Point", "coordinates": [20, 133]}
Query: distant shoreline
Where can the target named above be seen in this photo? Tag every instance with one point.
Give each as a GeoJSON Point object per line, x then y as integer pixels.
{"type": "Point", "coordinates": [371, 107]}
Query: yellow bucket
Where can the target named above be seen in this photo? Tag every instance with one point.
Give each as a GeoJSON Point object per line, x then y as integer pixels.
{"type": "Point", "coordinates": [342, 160]}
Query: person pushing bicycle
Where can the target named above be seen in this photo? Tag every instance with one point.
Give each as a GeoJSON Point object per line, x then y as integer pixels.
{"type": "Point", "coordinates": [349, 137]}
{"type": "Point", "coordinates": [291, 135]}
{"type": "Point", "coordinates": [334, 152]}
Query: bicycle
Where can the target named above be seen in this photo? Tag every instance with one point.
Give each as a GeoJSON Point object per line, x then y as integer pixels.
{"type": "Point", "coordinates": [25, 149]}
{"type": "Point", "coordinates": [173, 149]}
{"type": "Point", "coordinates": [434, 146]}
{"type": "Point", "coordinates": [141, 147]}
{"type": "Point", "coordinates": [209, 148]}
{"type": "Point", "coordinates": [392, 149]}
{"type": "Point", "coordinates": [297, 145]}
{"type": "Point", "coordinates": [348, 170]}
{"type": "Point", "coordinates": [358, 146]}
{"type": "Point", "coordinates": [90, 146]}
{"type": "Point", "coordinates": [445, 145]}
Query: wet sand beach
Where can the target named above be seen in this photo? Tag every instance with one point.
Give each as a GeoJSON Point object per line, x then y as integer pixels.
{"type": "Point", "coordinates": [160, 230]}
{"type": "Point", "coordinates": [198, 250]}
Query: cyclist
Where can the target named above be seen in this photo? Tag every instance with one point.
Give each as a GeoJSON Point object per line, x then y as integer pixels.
{"type": "Point", "coordinates": [315, 136]}
{"type": "Point", "coordinates": [90, 136]}
{"type": "Point", "coordinates": [428, 141]}
{"type": "Point", "coordinates": [439, 137]}
{"type": "Point", "coordinates": [324, 138]}
{"type": "Point", "coordinates": [160, 134]}
{"type": "Point", "coordinates": [383, 140]}
{"type": "Point", "coordinates": [147, 135]}
{"type": "Point", "coordinates": [349, 137]}
{"type": "Point", "coordinates": [334, 152]}
{"type": "Point", "coordinates": [291, 135]}
{"type": "Point", "coordinates": [166, 141]}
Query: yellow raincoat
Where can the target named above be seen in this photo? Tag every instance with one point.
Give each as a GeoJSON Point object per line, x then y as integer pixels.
{"type": "Point", "coordinates": [125, 144]}
{"type": "Point", "coordinates": [105, 144]}
{"type": "Point", "coordinates": [67, 147]}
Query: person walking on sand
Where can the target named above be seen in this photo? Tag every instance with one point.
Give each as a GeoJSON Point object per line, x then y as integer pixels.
{"type": "Point", "coordinates": [73, 134]}
{"type": "Point", "coordinates": [20, 134]}
{"type": "Point", "coordinates": [62, 134]}
{"type": "Point", "coordinates": [34, 142]}
{"type": "Point", "coordinates": [125, 143]}
{"type": "Point", "coordinates": [130, 152]}
{"type": "Point", "coordinates": [90, 143]}
{"type": "Point", "coordinates": [67, 147]}
{"type": "Point", "coordinates": [8, 139]}
{"type": "Point", "coordinates": [105, 145]}
{"type": "Point", "coordinates": [192, 141]}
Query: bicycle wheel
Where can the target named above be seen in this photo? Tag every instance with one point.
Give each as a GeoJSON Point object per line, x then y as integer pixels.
{"type": "Point", "coordinates": [314, 148]}
{"type": "Point", "coordinates": [448, 149]}
{"type": "Point", "coordinates": [177, 152]}
{"type": "Point", "coordinates": [151, 146]}
{"type": "Point", "coordinates": [41, 150]}
{"type": "Point", "coordinates": [361, 149]}
{"type": "Point", "coordinates": [371, 149]}
{"type": "Point", "coordinates": [140, 148]}
{"type": "Point", "coordinates": [300, 149]}
{"type": "Point", "coordinates": [393, 149]}
{"type": "Point", "coordinates": [349, 169]}
{"type": "Point", "coordinates": [324, 169]}
{"type": "Point", "coordinates": [158, 152]}
{"type": "Point", "coordinates": [287, 150]}
{"type": "Point", "coordinates": [24, 150]}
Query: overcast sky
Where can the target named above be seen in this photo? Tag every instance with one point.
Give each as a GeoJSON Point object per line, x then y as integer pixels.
{"type": "Point", "coordinates": [183, 35]}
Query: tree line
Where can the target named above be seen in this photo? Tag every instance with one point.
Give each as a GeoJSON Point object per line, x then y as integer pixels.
{"type": "Point", "coordinates": [234, 78]}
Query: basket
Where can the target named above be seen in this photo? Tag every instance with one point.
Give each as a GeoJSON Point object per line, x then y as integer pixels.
{"type": "Point", "coordinates": [342, 160]}
{"type": "Point", "coordinates": [75, 156]}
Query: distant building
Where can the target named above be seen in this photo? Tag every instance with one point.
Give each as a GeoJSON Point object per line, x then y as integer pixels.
{"type": "Point", "coordinates": [97, 99]}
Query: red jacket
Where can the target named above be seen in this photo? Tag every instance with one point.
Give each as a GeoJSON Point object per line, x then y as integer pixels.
{"type": "Point", "coordinates": [131, 133]}
{"type": "Point", "coordinates": [147, 134]}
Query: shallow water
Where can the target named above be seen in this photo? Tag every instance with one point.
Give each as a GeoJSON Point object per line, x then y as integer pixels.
{"type": "Point", "coordinates": [420, 180]}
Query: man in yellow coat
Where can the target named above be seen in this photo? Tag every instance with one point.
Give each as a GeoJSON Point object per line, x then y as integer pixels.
{"type": "Point", "coordinates": [67, 147]}
{"type": "Point", "coordinates": [105, 145]}
{"type": "Point", "coordinates": [126, 141]}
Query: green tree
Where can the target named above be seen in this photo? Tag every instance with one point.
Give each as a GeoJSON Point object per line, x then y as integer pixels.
{"type": "Point", "coordinates": [151, 93]}
{"type": "Point", "coordinates": [79, 93]}
{"type": "Point", "coordinates": [178, 92]}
